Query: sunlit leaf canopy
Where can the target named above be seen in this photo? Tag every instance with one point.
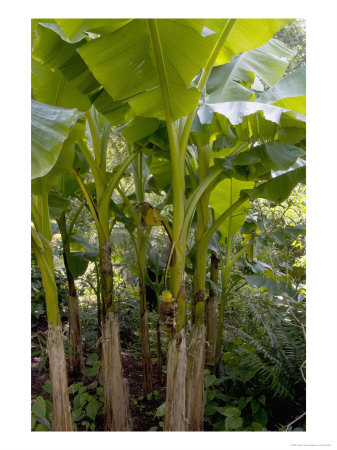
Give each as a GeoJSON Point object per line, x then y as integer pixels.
{"type": "Point", "coordinates": [131, 87]}
{"type": "Point", "coordinates": [74, 65]}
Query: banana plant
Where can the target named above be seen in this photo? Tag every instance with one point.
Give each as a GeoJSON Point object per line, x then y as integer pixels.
{"type": "Point", "coordinates": [52, 85]}
{"type": "Point", "coordinates": [116, 405]}
{"type": "Point", "coordinates": [139, 220]}
{"type": "Point", "coordinates": [161, 75]}
{"type": "Point", "coordinates": [159, 79]}
{"type": "Point", "coordinates": [225, 196]}
{"type": "Point", "coordinates": [76, 362]}
{"type": "Point", "coordinates": [75, 263]}
{"type": "Point", "coordinates": [139, 227]}
{"type": "Point", "coordinates": [230, 130]}
{"type": "Point", "coordinates": [52, 151]}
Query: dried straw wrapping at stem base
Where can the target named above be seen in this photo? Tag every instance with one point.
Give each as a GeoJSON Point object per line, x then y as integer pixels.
{"type": "Point", "coordinates": [116, 392]}
{"type": "Point", "coordinates": [58, 379]}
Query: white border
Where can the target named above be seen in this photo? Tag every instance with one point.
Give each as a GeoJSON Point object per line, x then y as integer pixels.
{"type": "Point", "coordinates": [322, 219]}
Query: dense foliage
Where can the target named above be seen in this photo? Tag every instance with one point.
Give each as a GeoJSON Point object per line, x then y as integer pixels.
{"type": "Point", "coordinates": [138, 234]}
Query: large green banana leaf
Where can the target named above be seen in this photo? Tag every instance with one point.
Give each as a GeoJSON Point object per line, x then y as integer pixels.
{"type": "Point", "coordinates": [123, 61]}
{"type": "Point", "coordinates": [161, 170]}
{"type": "Point", "coordinates": [232, 81]}
{"type": "Point", "coordinates": [248, 121]}
{"type": "Point", "coordinates": [50, 127]}
{"type": "Point", "coordinates": [78, 29]}
{"type": "Point", "coordinates": [289, 93]}
{"type": "Point", "coordinates": [273, 286]}
{"type": "Point", "coordinates": [64, 181]}
{"type": "Point", "coordinates": [223, 196]}
{"type": "Point", "coordinates": [54, 53]}
{"type": "Point", "coordinates": [246, 34]}
{"type": "Point", "coordinates": [258, 162]}
{"type": "Point", "coordinates": [279, 188]}
{"type": "Point", "coordinates": [135, 77]}
{"type": "Point", "coordinates": [78, 261]}
{"type": "Point", "coordinates": [229, 190]}
{"type": "Point", "coordinates": [252, 164]}
{"type": "Point", "coordinates": [51, 48]}
{"type": "Point", "coordinates": [139, 128]}
{"type": "Point", "coordinates": [53, 88]}
{"type": "Point", "coordinates": [57, 205]}
{"type": "Point", "coordinates": [236, 111]}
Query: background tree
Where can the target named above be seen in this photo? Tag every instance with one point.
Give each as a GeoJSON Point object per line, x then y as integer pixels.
{"type": "Point", "coordinates": [294, 36]}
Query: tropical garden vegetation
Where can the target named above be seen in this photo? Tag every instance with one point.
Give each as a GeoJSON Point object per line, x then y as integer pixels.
{"type": "Point", "coordinates": [168, 224]}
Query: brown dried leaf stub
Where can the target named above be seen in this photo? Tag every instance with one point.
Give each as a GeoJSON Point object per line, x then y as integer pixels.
{"type": "Point", "coordinates": [198, 297]}
{"type": "Point", "coordinates": [150, 216]}
{"type": "Point", "coordinates": [167, 314]}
